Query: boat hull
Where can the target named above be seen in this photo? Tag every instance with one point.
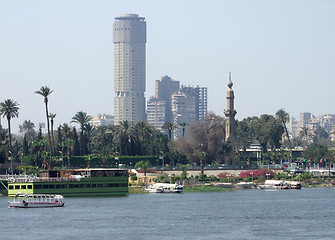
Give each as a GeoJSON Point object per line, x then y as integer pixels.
{"type": "Point", "coordinates": [34, 205]}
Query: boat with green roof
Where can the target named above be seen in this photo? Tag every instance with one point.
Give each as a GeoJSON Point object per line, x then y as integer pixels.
{"type": "Point", "coordinates": [73, 183]}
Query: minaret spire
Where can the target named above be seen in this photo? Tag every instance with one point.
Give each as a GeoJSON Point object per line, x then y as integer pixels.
{"type": "Point", "coordinates": [230, 121]}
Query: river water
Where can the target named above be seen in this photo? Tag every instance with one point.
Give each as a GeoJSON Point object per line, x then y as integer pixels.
{"type": "Point", "coordinates": [241, 214]}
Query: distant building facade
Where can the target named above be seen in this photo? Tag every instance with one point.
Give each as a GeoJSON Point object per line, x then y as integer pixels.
{"type": "Point", "coordinates": [156, 112]}
{"type": "Point", "coordinates": [129, 37]}
{"type": "Point", "coordinates": [310, 122]}
{"type": "Point", "coordinates": [102, 120]}
{"type": "Point", "coordinates": [176, 104]}
{"type": "Point", "coordinates": [183, 110]}
{"type": "Point", "coordinates": [200, 97]}
{"type": "Point", "coordinates": [164, 88]}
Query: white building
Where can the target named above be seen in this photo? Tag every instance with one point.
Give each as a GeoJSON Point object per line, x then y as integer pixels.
{"type": "Point", "coordinates": [102, 120]}
{"type": "Point", "coordinates": [129, 37]}
{"type": "Point", "coordinates": [156, 112]}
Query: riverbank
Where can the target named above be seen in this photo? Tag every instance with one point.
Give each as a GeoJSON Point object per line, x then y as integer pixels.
{"type": "Point", "coordinates": [220, 188]}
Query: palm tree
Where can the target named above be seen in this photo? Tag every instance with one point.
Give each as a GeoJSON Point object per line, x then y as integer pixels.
{"type": "Point", "coordinates": [183, 126]}
{"type": "Point", "coordinates": [124, 134]}
{"type": "Point", "coordinates": [284, 117]}
{"type": "Point", "coordinates": [82, 119]}
{"type": "Point", "coordinates": [89, 130]}
{"type": "Point", "coordinates": [170, 126]}
{"type": "Point", "coordinates": [9, 109]}
{"type": "Point", "coordinates": [45, 92]}
{"type": "Point", "coordinates": [52, 117]}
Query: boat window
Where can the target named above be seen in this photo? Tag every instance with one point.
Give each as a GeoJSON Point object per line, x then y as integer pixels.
{"type": "Point", "coordinates": [99, 185]}
{"type": "Point", "coordinates": [30, 186]}
{"type": "Point", "coordinates": [45, 186]}
{"type": "Point", "coordinates": [111, 185]}
{"type": "Point", "coordinates": [23, 187]}
{"type": "Point", "coordinates": [37, 186]}
{"type": "Point", "coordinates": [94, 185]}
{"type": "Point", "coordinates": [51, 186]}
{"type": "Point", "coordinates": [82, 185]}
{"type": "Point", "coordinates": [10, 187]}
{"type": "Point", "coordinates": [17, 186]}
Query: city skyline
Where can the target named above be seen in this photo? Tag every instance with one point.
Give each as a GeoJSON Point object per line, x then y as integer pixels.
{"type": "Point", "coordinates": [280, 54]}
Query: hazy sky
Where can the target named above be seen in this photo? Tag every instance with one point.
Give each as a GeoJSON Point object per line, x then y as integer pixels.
{"type": "Point", "coordinates": [281, 53]}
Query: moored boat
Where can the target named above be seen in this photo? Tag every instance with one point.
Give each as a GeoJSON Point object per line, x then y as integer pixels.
{"type": "Point", "coordinates": [73, 183]}
{"type": "Point", "coordinates": [280, 184]}
{"type": "Point", "coordinates": [36, 201]}
{"type": "Point", "coordinates": [164, 188]}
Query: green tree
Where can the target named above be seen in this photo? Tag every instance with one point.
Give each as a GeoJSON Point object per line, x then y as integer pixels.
{"type": "Point", "coordinates": [244, 135]}
{"type": "Point", "coordinates": [284, 117]}
{"type": "Point", "coordinates": [52, 117]}
{"type": "Point", "coordinates": [315, 152]}
{"type": "Point", "coordinates": [82, 118]}
{"type": "Point", "coordinates": [9, 109]}
{"type": "Point", "coordinates": [46, 92]}
{"type": "Point", "coordinates": [143, 165]}
{"type": "Point", "coordinates": [169, 126]}
{"type": "Point", "coordinates": [28, 129]}
{"type": "Point", "coordinates": [124, 134]}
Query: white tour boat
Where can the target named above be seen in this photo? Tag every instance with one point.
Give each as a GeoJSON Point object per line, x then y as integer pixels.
{"type": "Point", "coordinates": [165, 188]}
{"type": "Point", "coordinates": [36, 201]}
{"type": "Point", "coordinates": [280, 184]}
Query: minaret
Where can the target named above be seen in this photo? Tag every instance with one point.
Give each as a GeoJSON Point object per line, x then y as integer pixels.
{"type": "Point", "coordinates": [230, 121]}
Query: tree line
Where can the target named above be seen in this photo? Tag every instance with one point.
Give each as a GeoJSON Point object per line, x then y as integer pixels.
{"type": "Point", "coordinates": [201, 141]}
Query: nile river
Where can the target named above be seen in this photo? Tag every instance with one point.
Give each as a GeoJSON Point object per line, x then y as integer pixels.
{"type": "Point", "coordinates": [244, 214]}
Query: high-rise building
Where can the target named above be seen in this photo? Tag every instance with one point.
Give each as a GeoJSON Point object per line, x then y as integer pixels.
{"type": "Point", "coordinates": [129, 37]}
{"type": "Point", "coordinates": [164, 88]}
{"type": "Point", "coordinates": [156, 112]}
{"type": "Point", "coordinates": [200, 96]}
{"type": "Point", "coordinates": [183, 110]}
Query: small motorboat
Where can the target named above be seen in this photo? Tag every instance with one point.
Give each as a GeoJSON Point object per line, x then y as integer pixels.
{"type": "Point", "coordinates": [36, 201]}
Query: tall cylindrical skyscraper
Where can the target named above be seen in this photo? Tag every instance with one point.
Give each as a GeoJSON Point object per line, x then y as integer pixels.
{"type": "Point", "coordinates": [129, 37]}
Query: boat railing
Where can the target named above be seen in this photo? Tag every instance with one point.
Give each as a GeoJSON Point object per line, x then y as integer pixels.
{"type": "Point", "coordinates": [37, 179]}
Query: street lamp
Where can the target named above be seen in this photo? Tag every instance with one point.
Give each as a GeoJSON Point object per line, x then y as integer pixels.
{"type": "Point", "coordinates": [252, 176]}
{"type": "Point", "coordinates": [267, 175]}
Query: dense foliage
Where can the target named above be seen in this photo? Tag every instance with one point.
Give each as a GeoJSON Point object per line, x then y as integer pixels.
{"type": "Point", "coordinates": [202, 142]}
